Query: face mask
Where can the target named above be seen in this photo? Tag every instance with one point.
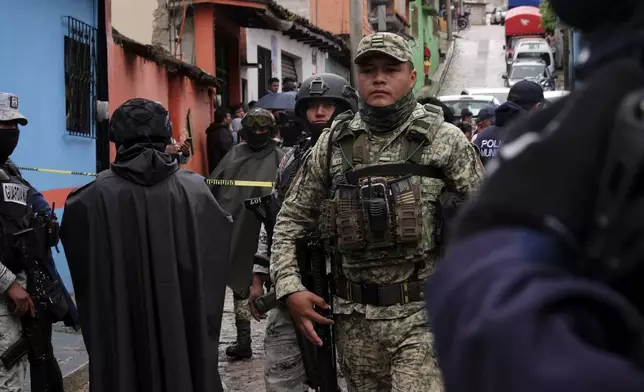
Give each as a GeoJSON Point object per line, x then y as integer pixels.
{"type": "Point", "coordinates": [257, 141]}
{"type": "Point", "coordinates": [8, 142]}
{"type": "Point", "coordinates": [388, 118]}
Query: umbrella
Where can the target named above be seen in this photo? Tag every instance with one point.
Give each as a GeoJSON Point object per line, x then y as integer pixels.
{"type": "Point", "coordinates": [277, 101]}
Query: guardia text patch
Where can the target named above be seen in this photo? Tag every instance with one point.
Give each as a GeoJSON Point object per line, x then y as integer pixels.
{"type": "Point", "coordinates": [15, 193]}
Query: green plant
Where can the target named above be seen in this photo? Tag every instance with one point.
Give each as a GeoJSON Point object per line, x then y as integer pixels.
{"type": "Point", "coordinates": [548, 16]}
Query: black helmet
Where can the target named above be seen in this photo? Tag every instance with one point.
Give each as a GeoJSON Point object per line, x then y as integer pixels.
{"type": "Point", "coordinates": [140, 119]}
{"type": "Point", "coordinates": [326, 85]}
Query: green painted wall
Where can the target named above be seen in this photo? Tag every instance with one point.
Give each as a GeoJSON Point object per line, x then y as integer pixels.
{"type": "Point", "coordinates": [422, 30]}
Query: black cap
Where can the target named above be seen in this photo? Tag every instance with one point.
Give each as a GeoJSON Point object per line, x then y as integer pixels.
{"type": "Point", "coordinates": [487, 113]}
{"type": "Point", "coordinates": [526, 94]}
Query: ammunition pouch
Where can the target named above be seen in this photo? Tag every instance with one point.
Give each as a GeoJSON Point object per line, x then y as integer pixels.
{"type": "Point", "coordinates": [378, 222]}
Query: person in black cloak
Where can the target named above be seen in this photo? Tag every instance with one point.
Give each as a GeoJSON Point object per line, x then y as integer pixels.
{"type": "Point", "coordinates": [147, 246]}
{"type": "Point", "coordinates": [255, 160]}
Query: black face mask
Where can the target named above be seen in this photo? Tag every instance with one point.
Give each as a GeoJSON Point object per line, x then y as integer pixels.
{"type": "Point", "coordinates": [8, 142]}
{"type": "Point", "coordinates": [257, 141]}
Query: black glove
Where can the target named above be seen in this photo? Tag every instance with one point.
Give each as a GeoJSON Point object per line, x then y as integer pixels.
{"type": "Point", "coordinates": [547, 173]}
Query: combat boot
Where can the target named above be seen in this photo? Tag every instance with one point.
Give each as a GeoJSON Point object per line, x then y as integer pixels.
{"type": "Point", "coordinates": [241, 348]}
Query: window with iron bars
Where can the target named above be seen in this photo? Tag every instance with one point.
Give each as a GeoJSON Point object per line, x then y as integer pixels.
{"type": "Point", "coordinates": [80, 78]}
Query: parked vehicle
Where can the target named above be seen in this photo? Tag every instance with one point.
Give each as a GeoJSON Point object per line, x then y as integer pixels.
{"type": "Point", "coordinates": [535, 49]}
{"type": "Point", "coordinates": [554, 96]}
{"type": "Point", "coordinates": [474, 103]}
{"type": "Point", "coordinates": [534, 70]}
{"type": "Point", "coordinates": [521, 22]}
{"type": "Point", "coordinates": [500, 93]}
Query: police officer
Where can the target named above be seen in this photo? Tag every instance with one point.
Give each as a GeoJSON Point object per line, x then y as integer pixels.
{"type": "Point", "coordinates": [524, 97]}
{"type": "Point", "coordinates": [14, 216]}
{"type": "Point", "coordinates": [385, 250]}
{"type": "Point", "coordinates": [319, 101]}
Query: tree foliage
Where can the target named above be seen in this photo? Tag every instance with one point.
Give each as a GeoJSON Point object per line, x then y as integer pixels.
{"type": "Point", "coordinates": [548, 16]}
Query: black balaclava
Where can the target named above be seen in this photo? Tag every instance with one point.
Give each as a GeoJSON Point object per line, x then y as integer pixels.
{"type": "Point", "coordinates": [257, 141]}
{"type": "Point", "coordinates": [388, 118]}
{"type": "Point", "coordinates": [8, 142]}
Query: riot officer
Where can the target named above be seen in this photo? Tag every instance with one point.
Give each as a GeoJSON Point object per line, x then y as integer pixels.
{"type": "Point", "coordinates": [383, 245]}
{"type": "Point", "coordinates": [319, 101]}
{"type": "Point", "coordinates": [256, 159]}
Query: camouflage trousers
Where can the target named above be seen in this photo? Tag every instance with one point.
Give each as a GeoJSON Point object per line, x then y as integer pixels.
{"type": "Point", "coordinates": [11, 380]}
{"type": "Point", "coordinates": [283, 368]}
{"type": "Point", "coordinates": [241, 308]}
{"type": "Point", "coordinates": [387, 355]}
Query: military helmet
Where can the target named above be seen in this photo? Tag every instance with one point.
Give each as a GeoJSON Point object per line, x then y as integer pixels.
{"type": "Point", "coordinates": [326, 85]}
{"type": "Point", "coordinates": [258, 118]}
{"type": "Point", "coordinates": [140, 118]}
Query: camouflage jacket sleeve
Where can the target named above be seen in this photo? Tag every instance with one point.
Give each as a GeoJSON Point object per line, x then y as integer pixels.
{"type": "Point", "coordinates": [463, 167]}
{"type": "Point", "coordinates": [298, 214]}
{"type": "Point", "coordinates": [6, 278]}
{"type": "Point", "coordinates": [261, 256]}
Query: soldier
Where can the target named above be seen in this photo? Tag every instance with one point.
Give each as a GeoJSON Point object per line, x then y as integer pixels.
{"type": "Point", "coordinates": [319, 101]}
{"type": "Point", "coordinates": [384, 250]}
{"type": "Point", "coordinates": [255, 160]}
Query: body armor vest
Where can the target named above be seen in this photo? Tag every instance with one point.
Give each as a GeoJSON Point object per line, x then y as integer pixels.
{"type": "Point", "coordinates": [15, 214]}
{"type": "Point", "coordinates": [377, 215]}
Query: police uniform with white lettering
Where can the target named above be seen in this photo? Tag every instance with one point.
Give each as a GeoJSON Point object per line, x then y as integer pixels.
{"type": "Point", "coordinates": [15, 213]}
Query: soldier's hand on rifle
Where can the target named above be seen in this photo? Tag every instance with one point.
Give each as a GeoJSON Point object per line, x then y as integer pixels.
{"type": "Point", "coordinates": [22, 300]}
{"type": "Point", "coordinates": [256, 291]}
{"type": "Point", "coordinates": [300, 305]}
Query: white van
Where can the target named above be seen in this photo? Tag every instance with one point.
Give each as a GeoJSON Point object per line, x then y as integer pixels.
{"type": "Point", "coordinates": [535, 49]}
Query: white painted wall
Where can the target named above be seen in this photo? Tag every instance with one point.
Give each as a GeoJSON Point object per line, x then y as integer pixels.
{"type": "Point", "coordinates": [303, 53]}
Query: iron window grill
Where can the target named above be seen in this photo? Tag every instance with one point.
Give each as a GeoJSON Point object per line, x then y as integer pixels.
{"type": "Point", "coordinates": [80, 78]}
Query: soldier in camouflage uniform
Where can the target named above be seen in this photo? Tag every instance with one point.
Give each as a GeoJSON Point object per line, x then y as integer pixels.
{"type": "Point", "coordinates": [371, 184]}
{"type": "Point", "coordinates": [319, 101]}
{"type": "Point", "coordinates": [14, 212]}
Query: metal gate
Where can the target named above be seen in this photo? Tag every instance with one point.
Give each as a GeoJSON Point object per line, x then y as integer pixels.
{"type": "Point", "coordinates": [288, 67]}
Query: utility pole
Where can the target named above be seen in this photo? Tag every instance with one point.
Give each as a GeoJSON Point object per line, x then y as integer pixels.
{"type": "Point", "coordinates": [448, 17]}
{"type": "Point", "coordinates": [355, 23]}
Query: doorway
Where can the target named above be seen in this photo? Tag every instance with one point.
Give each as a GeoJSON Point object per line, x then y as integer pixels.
{"type": "Point", "coordinates": [264, 72]}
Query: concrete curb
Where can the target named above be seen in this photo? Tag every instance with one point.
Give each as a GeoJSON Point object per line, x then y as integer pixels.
{"type": "Point", "coordinates": [448, 62]}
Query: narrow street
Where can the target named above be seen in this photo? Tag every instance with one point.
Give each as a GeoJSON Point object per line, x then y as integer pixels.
{"type": "Point", "coordinates": [478, 60]}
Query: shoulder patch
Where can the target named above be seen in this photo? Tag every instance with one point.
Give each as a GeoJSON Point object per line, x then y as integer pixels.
{"type": "Point", "coordinates": [15, 193]}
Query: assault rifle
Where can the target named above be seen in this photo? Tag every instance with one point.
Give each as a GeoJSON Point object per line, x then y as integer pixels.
{"type": "Point", "coordinates": [319, 362]}
{"type": "Point", "coordinates": [46, 292]}
{"type": "Point", "coordinates": [311, 259]}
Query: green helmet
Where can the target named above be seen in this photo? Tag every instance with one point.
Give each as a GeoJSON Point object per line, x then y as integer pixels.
{"type": "Point", "coordinates": [258, 118]}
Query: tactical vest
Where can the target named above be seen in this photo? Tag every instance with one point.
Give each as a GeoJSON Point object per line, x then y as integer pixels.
{"type": "Point", "coordinates": [15, 214]}
{"type": "Point", "coordinates": [376, 213]}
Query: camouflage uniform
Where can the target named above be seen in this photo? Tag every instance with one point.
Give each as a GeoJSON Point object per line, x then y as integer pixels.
{"type": "Point", "coordinates": [380, 347]}
{"type": "Point", "coordinates": [11, 380]}
{"type": "Point", "coordinates": [283, 369]}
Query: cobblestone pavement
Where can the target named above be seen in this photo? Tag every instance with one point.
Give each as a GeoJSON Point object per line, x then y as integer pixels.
{"type": "Point", "coordinates": [478, 60]}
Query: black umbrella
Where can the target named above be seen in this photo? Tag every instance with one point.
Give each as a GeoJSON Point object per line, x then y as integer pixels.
{"type": "Point", "coordinates": [277, 101]}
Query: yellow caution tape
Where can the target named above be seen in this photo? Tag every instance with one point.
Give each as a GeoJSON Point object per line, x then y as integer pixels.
{"type": "Point", "coordinates": [261, 184]}
{"type": "Point", "coordinates": [57, 171]}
